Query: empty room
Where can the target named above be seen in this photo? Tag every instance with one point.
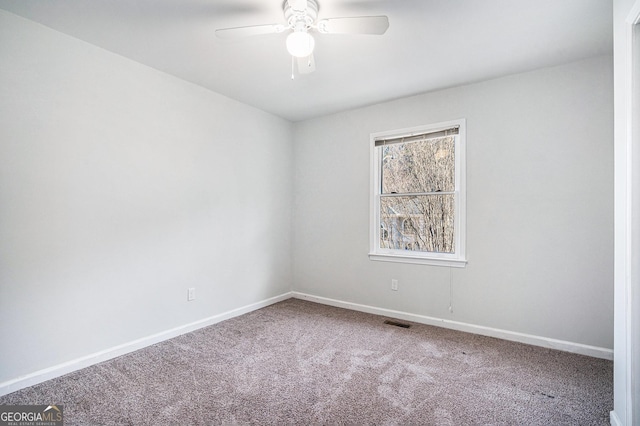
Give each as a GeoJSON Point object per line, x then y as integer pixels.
{"type": "Point", "coordinates": [319, 212]}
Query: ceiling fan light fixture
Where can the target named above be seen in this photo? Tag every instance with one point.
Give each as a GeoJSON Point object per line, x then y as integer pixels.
{"type": "Point", "coordinates": [300, 44]}
{"type": "Point", "coordinates": [301, 19]}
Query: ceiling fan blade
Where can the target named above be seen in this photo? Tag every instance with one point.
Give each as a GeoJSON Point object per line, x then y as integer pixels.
{"type": "Point", "coordinates": [254, 30]}
{"type": "Point", "coordinates": [375, 25]}
{"type": "Point", "coordinates": [306, 65]}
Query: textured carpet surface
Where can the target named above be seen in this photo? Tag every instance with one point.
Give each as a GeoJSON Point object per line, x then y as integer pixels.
{"type": "Point", "coordinates": [298, 362]}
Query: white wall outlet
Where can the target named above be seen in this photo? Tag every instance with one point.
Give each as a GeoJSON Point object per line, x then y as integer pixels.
{"type": "Point", "coordinates": [394, 285]}
{"type": "Point", "coordinates": [191, 294]}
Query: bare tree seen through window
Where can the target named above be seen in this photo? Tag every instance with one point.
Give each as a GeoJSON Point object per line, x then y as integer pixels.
{"type": "Point", "coordinates": [417, 207]}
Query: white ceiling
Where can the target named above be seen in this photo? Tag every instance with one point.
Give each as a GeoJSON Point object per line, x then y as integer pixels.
{"type": "Point", "coordinates": [430, 44]}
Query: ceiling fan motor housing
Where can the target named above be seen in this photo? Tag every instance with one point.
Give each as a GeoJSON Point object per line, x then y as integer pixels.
{"type": "Point", "coordinates": [303, 18]}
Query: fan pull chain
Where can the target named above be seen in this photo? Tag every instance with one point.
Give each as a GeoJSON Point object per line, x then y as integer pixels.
{"type": "Point", "coordinates": [292, 69]}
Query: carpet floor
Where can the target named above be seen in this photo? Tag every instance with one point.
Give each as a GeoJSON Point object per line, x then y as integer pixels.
{"type": "Point", "coordinates": [298, 362]}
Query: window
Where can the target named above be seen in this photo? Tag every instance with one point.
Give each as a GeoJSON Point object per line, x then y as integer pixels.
{"type": "Point", "coordinates": [417, 195]}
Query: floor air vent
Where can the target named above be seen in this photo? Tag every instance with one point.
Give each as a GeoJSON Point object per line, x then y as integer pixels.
{"type": "Point", "coordinates": [397, 324]}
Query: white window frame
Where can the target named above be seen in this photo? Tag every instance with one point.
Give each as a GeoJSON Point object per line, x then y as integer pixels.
{"type": "Point", "coordinates": [457, 259]}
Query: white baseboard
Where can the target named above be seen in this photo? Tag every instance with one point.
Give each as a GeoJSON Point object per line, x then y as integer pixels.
{"type": "Point", "coordinates": [614, 420]}
{"type": "Point", "coordinates": [545, 342]}
{"type": "Point", "coordinates": [107, 354]}
{"type": "Point", "coordinates": [110, 353]}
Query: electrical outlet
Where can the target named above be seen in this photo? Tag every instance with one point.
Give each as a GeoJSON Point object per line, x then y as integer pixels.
{"type": "Point", "coordinates": [191, 294]}
{"type": "Point", "coordinates": [394, 285]}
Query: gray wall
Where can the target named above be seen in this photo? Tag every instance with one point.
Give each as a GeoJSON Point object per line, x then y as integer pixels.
{"type": "Point", "coordinates": [539, 206]}
{"type": "Point", "coordinates": [120, 187]}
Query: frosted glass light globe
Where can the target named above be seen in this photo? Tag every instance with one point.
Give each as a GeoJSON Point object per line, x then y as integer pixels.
{"type": "Point", "coordinates": [300, 44]}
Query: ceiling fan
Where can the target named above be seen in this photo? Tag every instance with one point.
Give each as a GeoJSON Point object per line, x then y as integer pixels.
{"type": "Point", "coordinates": [301, 18]}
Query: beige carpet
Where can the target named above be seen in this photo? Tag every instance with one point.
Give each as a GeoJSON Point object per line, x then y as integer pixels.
{"type": "Point", "coordinates": [298, 362]}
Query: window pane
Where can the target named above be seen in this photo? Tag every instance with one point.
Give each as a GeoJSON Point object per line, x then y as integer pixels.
{"type": "Point", "coordinates": [423, 166]}
{"type": "Point", "coordinates": [420, 223]}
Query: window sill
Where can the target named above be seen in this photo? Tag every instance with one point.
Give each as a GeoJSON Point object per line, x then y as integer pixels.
{"type": "Point", "coordinates": [417, 260]}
